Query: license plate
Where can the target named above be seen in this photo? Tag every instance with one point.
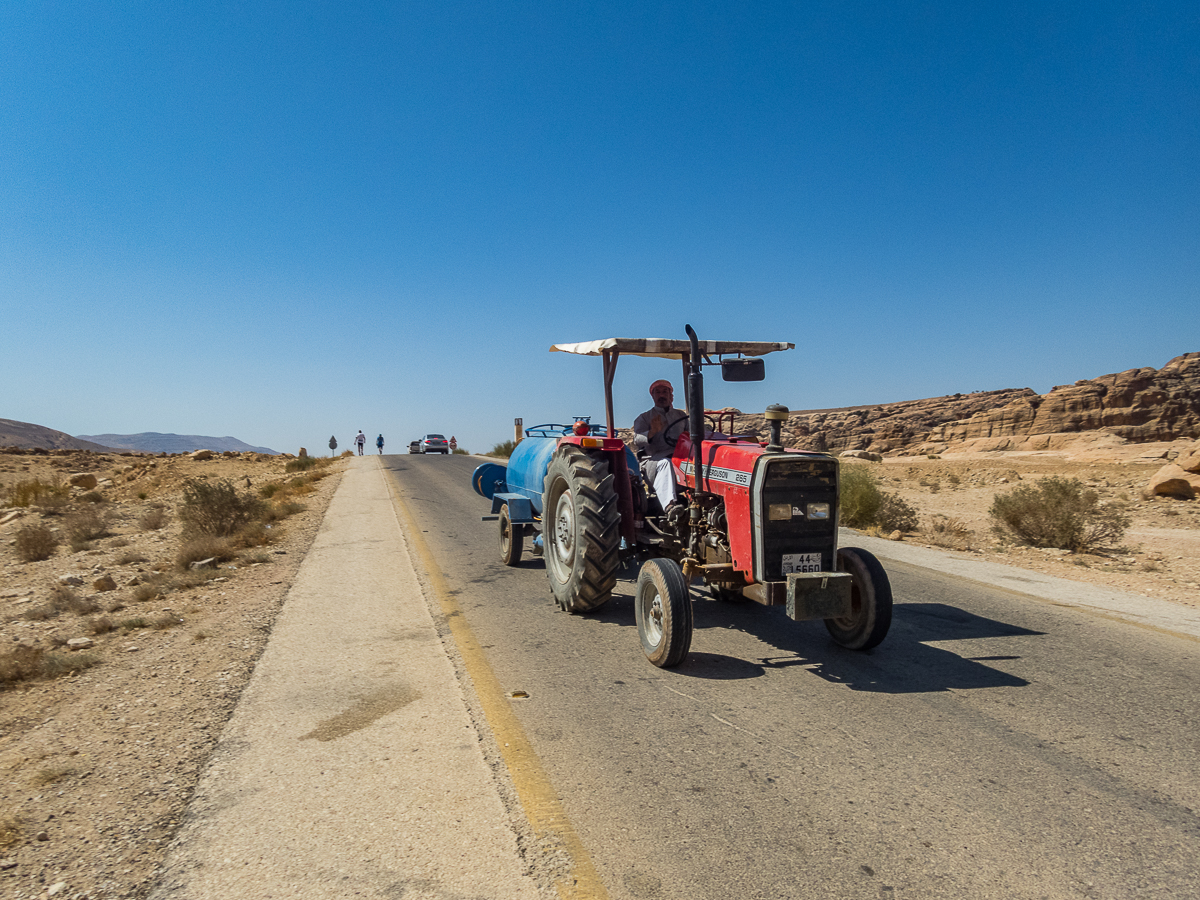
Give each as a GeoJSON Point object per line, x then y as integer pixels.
{"type": "Point", "coordinates": [801, 562]}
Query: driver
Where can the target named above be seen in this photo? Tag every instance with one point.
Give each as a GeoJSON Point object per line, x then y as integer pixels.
{"type": "Point", "coordinates": [654, 435]}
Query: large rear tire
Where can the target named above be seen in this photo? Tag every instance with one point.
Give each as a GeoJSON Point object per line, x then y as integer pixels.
{"type": "Point", "coordinates": [512, 538]}
{"type": "Point", "coordinates": [582, 529]}
{"type": "Point", "coordinates": [870, 602]}
{"type": "Point", "coordinates": [664, 612]}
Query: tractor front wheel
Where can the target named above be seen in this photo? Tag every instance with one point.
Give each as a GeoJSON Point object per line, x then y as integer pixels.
{"type": "Point", "coordinates": [870, 602]}
{"type": "Point", "coordinates": [581, 529]}
{"type": "Point", "coordinates": [512, 537]}
{"type": "Point", "coordinates": [664, 612]}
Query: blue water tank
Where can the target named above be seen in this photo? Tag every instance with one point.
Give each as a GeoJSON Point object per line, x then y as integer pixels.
{"type": "Point", "coordinates": [527, 468]}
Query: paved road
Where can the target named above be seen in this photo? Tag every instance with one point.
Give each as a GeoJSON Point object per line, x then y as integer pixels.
{"type": "Point", "coordinates": [996, 745]}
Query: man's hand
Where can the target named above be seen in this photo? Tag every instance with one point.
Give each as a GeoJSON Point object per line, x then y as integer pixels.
{"type": "Point", "coordinates": [656, 425]}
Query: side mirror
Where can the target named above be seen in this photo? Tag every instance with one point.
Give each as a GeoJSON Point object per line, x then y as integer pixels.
{"type": "Point", "coordinates": [749, 369]}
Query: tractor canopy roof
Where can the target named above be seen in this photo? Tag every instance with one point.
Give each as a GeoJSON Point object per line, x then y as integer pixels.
{"type": "Point", "coordinates": [666, 348]}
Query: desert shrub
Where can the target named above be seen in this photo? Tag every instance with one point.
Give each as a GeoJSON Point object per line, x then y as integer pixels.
{"type": "Point", "coordinates": [10, 831]}
{"type": "Point", "coordinates": [55, 665]}
{"type": "Point", "coordinates": [154, 518]}
{"type": "Point", "coordinates": [145, 592]}
{"type": "Point", "coordinates": [895, 514]}
{"type": "Point", "coordinates": [256, 534]}
{"type": "Point", "coordinates": [23, 663]}
{"type": "Point", "coordinates": [504, 449]}
{"type": "Point", "coordinates": [303, 464]}
{"type": "Point", "coordinates": [63, 599]}
{"type": "Point", "coordinates": [35, 543]}
{"type": "Point", "coordinates": [216, 509]}
{"type": "Point", "coordinates": [283, 509]}
{"type": "Point", "coordinates": [462, 451]}
{"type": "Point", "coordinates": [133, 624]}
{"type": "Point", "coordinates": [860, 497]}
{"type": "Point", "coordinates": [35, 492]}
{"type": "Point", "coordinates": [100, 625]}
{"type": "Point", "coordinates": [83, 527]}
{"type": "Point", "coordinates": [270, 490]}
{"type": "Point", "coordinates": [92, 497]}
{"type": "Point", "coordinates": [19, 663]}
{"type": "Point", "coordinates": [1057, 512]}
{"type": "Point", "coordinates": [203, 547]}
{"type": "Point", "coordinates": [129, 558]}
{"type": "Point", "coordinates": [865, 506]}
{"type": "Point", "coordinates": [945, 531]}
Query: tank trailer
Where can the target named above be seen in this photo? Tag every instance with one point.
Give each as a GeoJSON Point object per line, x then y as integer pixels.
{"type": "Point", "coordinates": [755, 521]}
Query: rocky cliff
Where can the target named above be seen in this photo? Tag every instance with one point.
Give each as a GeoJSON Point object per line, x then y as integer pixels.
{"type": "Point", "coordinates": [1137, 406]}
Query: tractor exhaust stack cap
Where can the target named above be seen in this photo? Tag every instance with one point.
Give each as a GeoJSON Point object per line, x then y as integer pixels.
{"type": "Point", "coordinates": [776, 415]}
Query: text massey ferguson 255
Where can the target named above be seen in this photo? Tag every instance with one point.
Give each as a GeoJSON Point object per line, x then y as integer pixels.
{"type": "Point", "coordinates": [759, 523]}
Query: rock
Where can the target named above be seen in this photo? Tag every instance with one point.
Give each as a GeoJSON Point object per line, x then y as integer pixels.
{"type": "Point", "coordinates": [84, 480]}
{"type": "Point", "coordinates": [303, 453]}
{"type": "Point", "coordinates": [43, 836]}
{"type": "Point", "coordinates": [210, 563]}
{"type": "Point", "coordinates": [862, 454]}
{"type": "Point", "coordinates": [895, 536]}
{"type": "Point", "coordinates": [201, 454]}
{"type": "Point", "coordinates": [6, 864]}
{"type": "Point", "coordinates": [1140, 405]}
{"type": "Point", "coordinates": [104, 583]}
{"type": "Point", "coordinates": [80, 643]}
{"type": "Point", "coordinates": [1173, 481]}
{"type": "Point", "coordinates": [11, 516]}
{"type": "Point", "coordinates": [1189, 459]}
{"type": "Point", "coordinates": [72, 580]}
{"type": "Point", "coordinates": [55, 889]}
{"type": "Point", "coordinates": [133, 582]}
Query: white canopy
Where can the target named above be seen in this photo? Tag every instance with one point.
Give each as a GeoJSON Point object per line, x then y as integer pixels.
{"type": "Point", "coordinates": [666, 348]}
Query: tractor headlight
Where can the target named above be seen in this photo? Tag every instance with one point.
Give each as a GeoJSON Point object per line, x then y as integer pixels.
{"type": "Point", "coordinates": [780, 511]}
{"type": "Point", "coordinates": [818, 510]}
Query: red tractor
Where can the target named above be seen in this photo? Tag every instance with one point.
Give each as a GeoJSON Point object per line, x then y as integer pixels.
{"type": "Point", "coordinates": [756, 521]}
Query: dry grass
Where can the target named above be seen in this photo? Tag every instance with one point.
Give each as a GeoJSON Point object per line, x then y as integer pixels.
{"type": "Point", "coordinates": [128, 559]}
{"type": "Point", "coordinates": [946, 531]}
{"type": "Point", "coordinates": [83, 527]}
{"type": "Point", "coordinates": [50, 774]}
{"type": "Point", "coordinates": [35, 492]}
{"type": "Point", "coordinates": [154, 518]}
{"type": "Point", "coordinates": [24, 663]}
{"type": "Point", "coordinates": [203, 547]}
{"type": "Point", "coordinates": [62, 599]}
{"type": "Point", "coordinates": [216, 510]}
{"type": "Point", "coordinates": [35, 543]}
{"type": "Point", "coordinates": [10, 831]}
{"type": "Point", "coordinates": [1057, 512]}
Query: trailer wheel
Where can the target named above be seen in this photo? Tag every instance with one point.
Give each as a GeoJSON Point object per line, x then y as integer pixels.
{"type": "Point", "coordinates": [582, 529]}
{"type": "Point", "coordinates": [512, 538]}
{"type": "Point", "coordinates": [664, 612]}
{"type": "Point", "coordinates": [870, 598]}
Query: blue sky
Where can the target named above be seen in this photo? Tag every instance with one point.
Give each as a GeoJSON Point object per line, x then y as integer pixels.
{"type": "Point", "coordinates": [281, 221]}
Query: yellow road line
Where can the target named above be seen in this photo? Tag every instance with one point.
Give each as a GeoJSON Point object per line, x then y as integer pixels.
{"type": "Point", "coordinates": [534, 791]}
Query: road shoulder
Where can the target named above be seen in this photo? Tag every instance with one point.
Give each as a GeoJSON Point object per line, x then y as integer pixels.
{"type": "Point", "coordinates": [350, 766]}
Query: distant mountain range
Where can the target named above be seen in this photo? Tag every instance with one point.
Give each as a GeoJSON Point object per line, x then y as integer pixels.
{"type": "Point", "coordinates": [154, 442]}
{"type": "Point", "coordinates": [29, 437]}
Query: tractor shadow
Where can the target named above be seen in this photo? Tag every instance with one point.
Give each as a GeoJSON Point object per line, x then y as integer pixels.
{"type": "Point", "coordinates": [904, 663]}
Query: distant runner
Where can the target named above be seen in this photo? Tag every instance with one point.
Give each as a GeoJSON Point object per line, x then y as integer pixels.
{"type": "Point", "coordinates": [360, 439]}
{"type": "Point", "coordinates": [379, 444]}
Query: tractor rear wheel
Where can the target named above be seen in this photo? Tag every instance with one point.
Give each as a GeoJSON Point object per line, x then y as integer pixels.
{"type": "Point", "coordinates": [664, 612]}
{"type": "Point", "coordinates": [512, 538]}
{"type": "Point", "coordinates": [870, 602]}
{"type": "Point", "coordinates": [581, 529]}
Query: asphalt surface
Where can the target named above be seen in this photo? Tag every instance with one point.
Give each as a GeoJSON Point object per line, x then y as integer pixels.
{"type": "Point", "coordinates": [425, 723]}
{"type": "Point", "coordinates": [997, 744]}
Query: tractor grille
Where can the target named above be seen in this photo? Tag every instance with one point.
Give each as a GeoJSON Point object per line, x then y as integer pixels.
{"type": "Point", "coordinates": [793, 482]}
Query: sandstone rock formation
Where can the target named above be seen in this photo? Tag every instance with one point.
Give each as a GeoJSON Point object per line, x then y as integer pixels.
{"type": "Point", "coordinates": [1140, 405]}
